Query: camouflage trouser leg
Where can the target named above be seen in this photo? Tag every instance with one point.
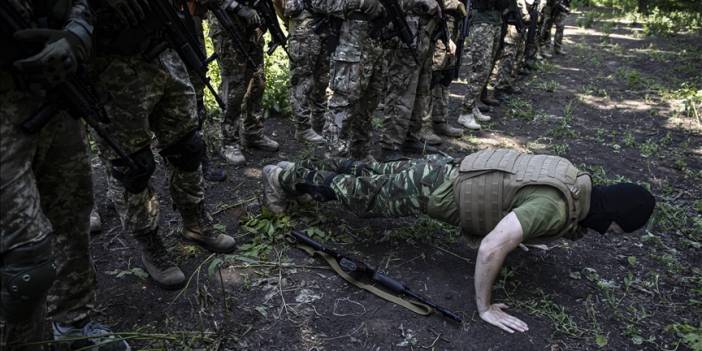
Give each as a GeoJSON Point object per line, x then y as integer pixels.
{"type": "Point", "coordinates": [22, 221]}
{"type": "Point", "coordinates": [357, 80]}
{"type": "Point", "coordinates": [519, 57]}
{"type": "Point", "coordinates": [481, 47]}
{"type": "Point", "coordinates": [439, 104]}
{"type": "Point", "coordinates": [161, 102]}
{"type": "Point", "coordinates": [506, 63]}
{"type": "Point", "coordinates": [407, 94]}
{"type": "Point", "coordinates": [241, 89]}
{"type": "Point", "coordinates": [65, 184]}
{"type": "Point", "coordinates": [309, 75]}
{"type": "Point", "coordinates": [393, 189]}
{"type": "Point", "coordinates": [198, 84]}
{"type": "Point", "coordinates": [560, 27]}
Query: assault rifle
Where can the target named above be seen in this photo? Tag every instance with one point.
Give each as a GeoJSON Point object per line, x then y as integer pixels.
{"type": "Point", "coordinates": [515, 17]}
{"type": "Point", "coordinates": [562, 6]}
{"type": "Point", "coordinates": [75, 95]}
{"type": "Point", "coordinates": [399, 23]}
{"type": "Point", "coordinates": [531, 39]}
{"type": "Point", "coordinates": [462, 35]}
{"type": "Point", "coordinates": [183, 41]}
{"type": "Point", "coordinates": [443, 31]}
{"type": "Point", "coordinates": [270, 21]}
{"type": "Point", "coordinates": [360, 271]}
{"type": "Point", "coordinates": [228, 25]}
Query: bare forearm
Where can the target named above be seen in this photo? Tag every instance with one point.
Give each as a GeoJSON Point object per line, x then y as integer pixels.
{"type": "Point", "coordinates": [487, 267]}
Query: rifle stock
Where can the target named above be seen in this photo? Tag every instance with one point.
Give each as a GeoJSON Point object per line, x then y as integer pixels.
{"type": "Point", "coordinates": [464, 28]}
{"type": "Point", "coordinates": [270, 21]}
{"type": "Point", "coordinates": [399, 23]}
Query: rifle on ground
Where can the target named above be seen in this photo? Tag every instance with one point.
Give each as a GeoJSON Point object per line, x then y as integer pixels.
{"type": "Point", "coordinates": [76, 95]}
{"type": "Point", "coordinates": [462, 35]}
{"type": "Point", "coordinates": [270, 21]}
{"type": "Point", "coordinates": [228, 25]}
{"type": "Point", "coordinates": [360, 271]}
{"type": "Point", "coordinates": [399, 23]}
{"type": "Point", "coordinates": [183, 41]}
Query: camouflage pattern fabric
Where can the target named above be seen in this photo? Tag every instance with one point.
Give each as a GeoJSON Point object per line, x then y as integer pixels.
{"type": "Point", "coordinates": [159, 100]}
{"type": "Point", "coordinates": [550, 20]}
{"type": "Point", "coordinates": [309, 73]}
{"type": "Point", "coordinates": [242, 86]}
{"type": "Point", "coordinates": [391, 189]}
{"type": "Point", "coordinates": [408, 88]}
{"type": "Point", "coordinates": [507, 58]}
{"type": "Point", "coordinates": [357, 82]}
{"type": "Point", "coordinates": [480, 50]}
{"type": "Point", "coordinates": [442, 64]}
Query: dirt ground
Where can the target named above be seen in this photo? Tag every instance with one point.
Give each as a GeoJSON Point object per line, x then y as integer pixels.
{"type": "Point", "coordinates": [611, 105]}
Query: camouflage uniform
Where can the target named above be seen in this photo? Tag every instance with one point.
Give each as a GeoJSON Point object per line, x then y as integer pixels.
{"type": "Point", "coordinates": [309, 70]}
{"type": "Point", "coordinates": [52, 166]}
{"type": "Point", "coordinates": [242, 86]}
{"type": "Point", "coordinates": [552, 16]}
{"type": "Point", "coordinates": [391, 189]}
{"type": "Point", "coordinates": [357, 78]}
{"type": "Point", "coordinates": [506, 60]}
{"type": "Point", "coordinates": [481, 47]}
{"type": "Point", "coordinates": [531, 52]}
{"type": "Point", "coordinates": [408, 93]}
{"type": "Point", "coordinates": [149, 98]}
{"type": "Point", "coordinates": [442, 67]}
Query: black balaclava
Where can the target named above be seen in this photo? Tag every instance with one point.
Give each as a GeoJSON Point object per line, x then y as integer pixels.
{"type": "Point", "coordinates": [629, 205]}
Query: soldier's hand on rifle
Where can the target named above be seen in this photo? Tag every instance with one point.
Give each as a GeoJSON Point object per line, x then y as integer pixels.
{"type": "Point", "coordinates": [56, 61]}
{"type": "Point", "coordinates": [249, 15]}
{"type": "Point", "coordinates": [130, 12]}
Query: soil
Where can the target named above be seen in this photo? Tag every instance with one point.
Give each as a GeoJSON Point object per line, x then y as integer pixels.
{"type": "Point", "coordinates": [606, 109]}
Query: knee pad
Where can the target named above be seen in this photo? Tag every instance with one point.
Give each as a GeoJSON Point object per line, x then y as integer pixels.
{"type": "Point", "coordinates": [27, 274]}
{"type": "Point", "coordinates": [319, 192]}
{"type": "Point", "coordinates": [134, 180]}
{"type": "Point", "coordinates": [187, 153]}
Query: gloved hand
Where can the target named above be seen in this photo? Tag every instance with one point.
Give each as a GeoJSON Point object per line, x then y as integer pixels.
{"type": "Point", "coordinates": [249, 15]}
{"type": "Point", "coordinates": [130, 12]}
{"type": "Point", "coordinates": [56, 61]}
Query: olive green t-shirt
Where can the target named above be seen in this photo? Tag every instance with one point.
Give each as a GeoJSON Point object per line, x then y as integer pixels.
{"type": "Point", "coordinates": [541, 210]}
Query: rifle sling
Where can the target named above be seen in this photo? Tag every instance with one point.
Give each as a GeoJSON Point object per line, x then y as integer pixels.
{"type": "Point", "coordinates": [410, 304]}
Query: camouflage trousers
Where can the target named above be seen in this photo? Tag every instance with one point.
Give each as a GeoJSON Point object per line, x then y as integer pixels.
{"type": "Point", "coordinates": [506, 65]}
{"type": "Point", "coordinates": [391, 189]}
{"type": "Point", "coordinates": [242, 86]}
{"type": "Point", "coordinates": [357, 82]}
{"type": "Point", "coordinates": [478, 57]}
{"type": "Point", "coordinates": [309, 74]}
{"type": "Point", "coordinates": [408, 93]}
{"type": "Point", "coordinates": [549, 21]}
{"type": "Point", "coordinates": [158, 100]}
{"type": "Point", "coordinates": [46, 194]}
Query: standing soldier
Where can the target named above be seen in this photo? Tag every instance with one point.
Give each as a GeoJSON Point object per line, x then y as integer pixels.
{"type": "Point", "coordinates": [357, 73]}
{"type": "Point", "coordinates": [408, 91]}
{"type": "Point", "coordinates": [554, 14]}
{"type": "Point", "coordinates": [309, 68]}
{"type": "Point", "coordinates": [531, 49]}
{"type": "Point", "coordinates": [45, 177]}
{"type": "Point", "coordinates": [506, 65]}
{"type": "Point", "coordinates": [481, 47]}
{"type": "Point", "coordinates": [151, 94]}
{"type": "Point", "coordinates": [443, 72]}
{"type": "Point", "coordinates": [242, 84]}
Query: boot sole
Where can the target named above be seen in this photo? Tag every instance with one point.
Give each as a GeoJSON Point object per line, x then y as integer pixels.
{"type": "Point", "coordinates": [200, 244]}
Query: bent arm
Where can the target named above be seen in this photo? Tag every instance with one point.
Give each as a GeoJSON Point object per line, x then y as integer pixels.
{"type": "Point", "coordinates": [504, 238]}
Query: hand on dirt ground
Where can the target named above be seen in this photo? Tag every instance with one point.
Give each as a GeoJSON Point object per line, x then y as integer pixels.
{"type": "Point", "coordinates": [495, 316]}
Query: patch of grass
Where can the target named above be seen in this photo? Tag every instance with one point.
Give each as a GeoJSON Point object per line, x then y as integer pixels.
{"type": "Point", "coordinates": [564, 128]}
{"type": "Point", "coordinates": [425, 229]}
{"type": "Point", "coordinates": [267, 229]}
{"type": "Point", "coordinates": [548, 85]}
{"type": "Point", "coordinates": [600, 176]}
{"type": "Point", "coordinates": [560, 149]}
{"type": "Point", "coordinates": [520, 109]}
{"type": "Point", "coordinates": [544, 306]}
{"type": "Point", "coordinates": [666, 23]}
{"type": "Point", "coordinates": [628, 139]}
{"type": "Point", "coordinates": [594, 90]}
{"type": "Point", "coordinates": [631, 76]}
{"type": "Point", "coordinates": [690, 335]}
{"type": "Point", "coordinates": [649, 148]}
{"type": "Point", "coordinates": [275, 97]}
{"type": "Point", "coordinates": [587, 20]}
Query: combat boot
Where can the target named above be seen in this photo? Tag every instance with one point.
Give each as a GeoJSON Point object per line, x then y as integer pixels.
{"type": "Point", "coordinates": [489, 100]}
{"type": "Point", "coordinates": [159, 263]}
{"type": "Point", "coordinates": [233, 155]}
{"type": "Point", "coordinates": [468, 120]}
{"type": "Point", "coordinates": [559, 51]}
{"type": "Point", "coordinates": [481, 105]}
{"type": "Point", "coordinates": [427, 135]}
{"type": "Point", "coordinates": [212, 173]}
{"type": "Point", "coordinates": [309, 136]}
{"type": "Point", "coordinates": [273, 194]}
{"type": "Point", "coordinates": [198, 228]}
{"type": "Point", "coordinates": [262, 143]}
{"type": "Point", "coordinates": [418, 146]}
{"type": "Point", "coordinates": [545, 54]}
{"type": "Point", "coordinates": [446, 129]}
{"type": "Point", "coordinates": [480, 116]}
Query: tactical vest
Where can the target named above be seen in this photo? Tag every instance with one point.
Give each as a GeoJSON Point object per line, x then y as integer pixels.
{"type": "Point", "coordinates": [489, 179]}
